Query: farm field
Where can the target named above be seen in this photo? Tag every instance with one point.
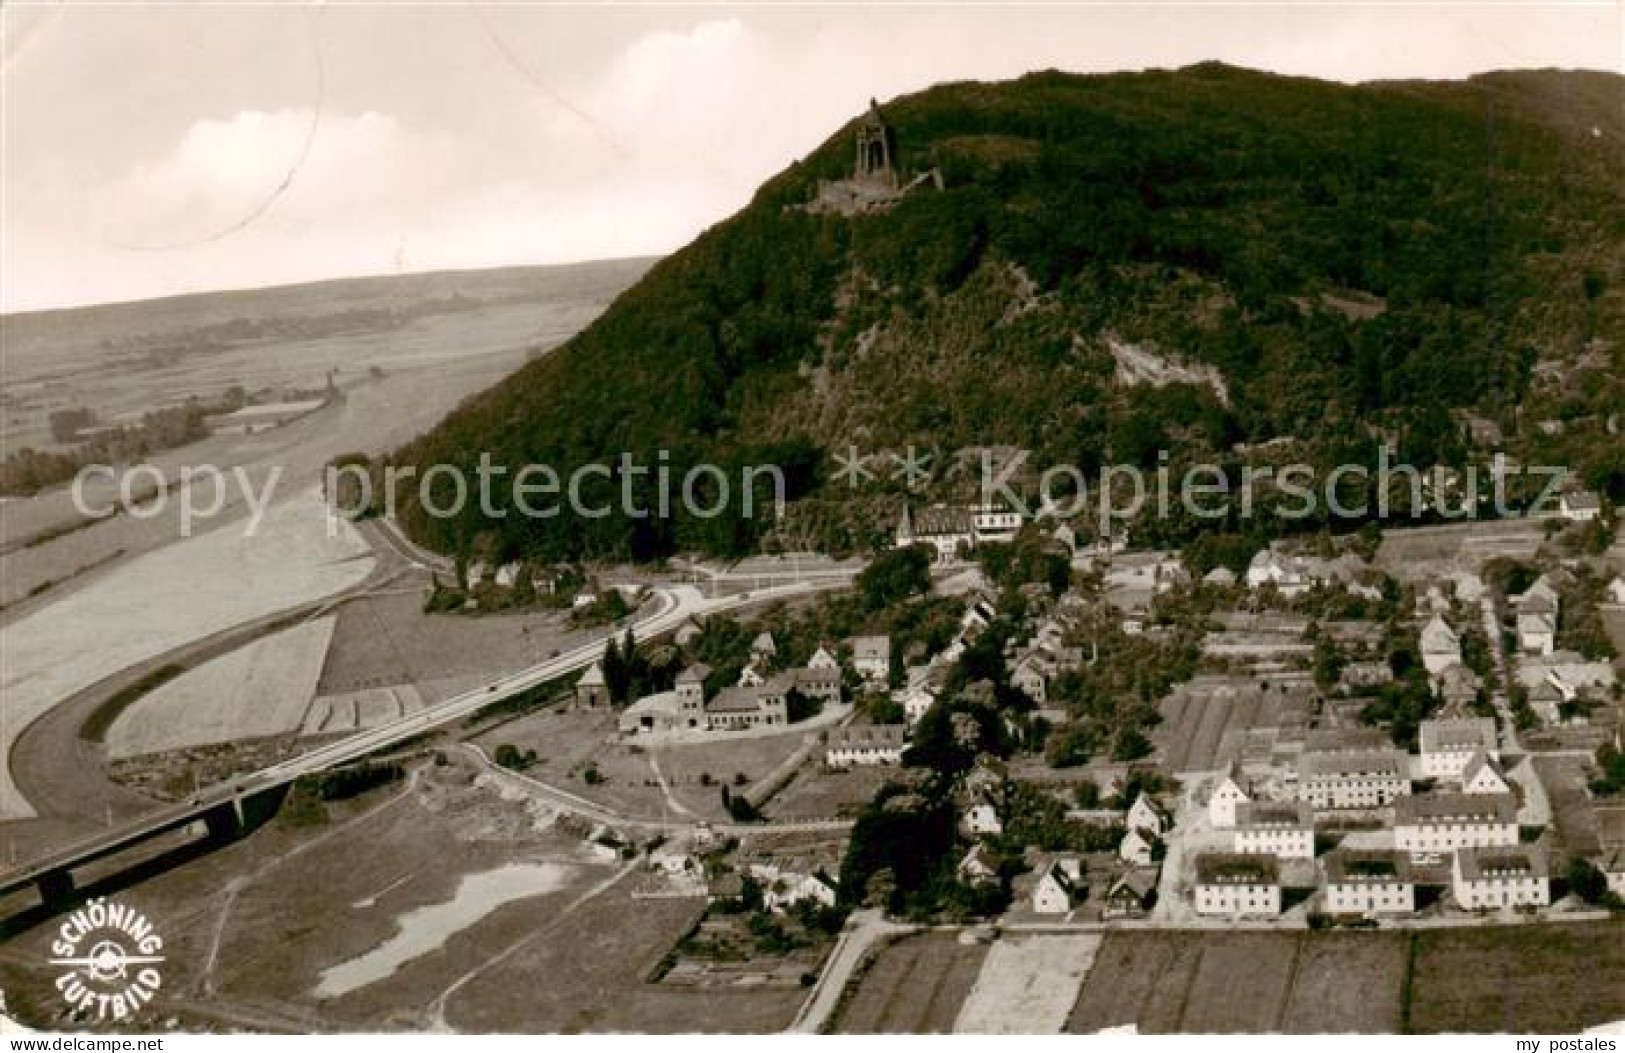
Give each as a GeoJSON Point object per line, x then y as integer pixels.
{"type": "Point", "coordinates": [915, 985]}
{"type": "Point", "coordinates": [256, 691]}
{"type": "Point", "coordinates": [401, 369]}
{"type": "Point", "coordinates": [1462, 979]}
{"type": "Point", "coordinates": [1535, 979]}
{"type": "Point", "coordinates": [167, 598]}
{"type": "Point", "coordinates": [1027, 985]}
{"type": "Point", "coordinates": [386, 640]}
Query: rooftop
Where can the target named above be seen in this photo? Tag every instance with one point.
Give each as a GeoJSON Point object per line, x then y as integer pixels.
{"type": "Point", "coordinates": [1375, 865]}
{"type": "Point", "coordinates": [1479, 864]}
{"type": "Point", "coordinates": [1455, 807]}
{"type": "Point", "coordinates": [1344, 764]}
{"type": "Point", "coordinates": [1227, 868]}
{"type": "Point", "coordinates": [1464, 733]}
{"type": "Point", "coordinates": [869, 735]}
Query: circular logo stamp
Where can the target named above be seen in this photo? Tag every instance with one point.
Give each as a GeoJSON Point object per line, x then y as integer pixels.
{"type": "Point", "coordinates": [109, 954]}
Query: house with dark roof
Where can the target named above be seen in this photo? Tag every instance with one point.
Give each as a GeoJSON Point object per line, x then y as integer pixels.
{"type": "Point", "coordinates": [1232, 885]}
{"type": "Point", "coordinates": [1367, 881]}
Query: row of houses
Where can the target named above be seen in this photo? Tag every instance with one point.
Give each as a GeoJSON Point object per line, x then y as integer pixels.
{"type": "Point", "coordinates": [1373, 881]}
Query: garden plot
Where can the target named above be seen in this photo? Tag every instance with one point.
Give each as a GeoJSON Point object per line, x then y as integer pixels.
{"type": "Point", "coordinates": [1028, 985]}
{"type": "Point", "coordinates": [166, 599]}
{"type": "Point", "coordinates": [256, 691]}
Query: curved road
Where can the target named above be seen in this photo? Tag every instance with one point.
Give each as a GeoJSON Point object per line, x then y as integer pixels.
{"type": "Point", "coordinates": [673, 607]}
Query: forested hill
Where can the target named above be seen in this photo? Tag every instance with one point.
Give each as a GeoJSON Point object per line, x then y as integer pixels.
{"type": "Point", "coordinates": [1318, 260]}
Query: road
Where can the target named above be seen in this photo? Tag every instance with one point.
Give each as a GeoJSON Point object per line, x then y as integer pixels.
{"type": "Point", "coordinates": [1503, 669]}
{"type": "Point", "coordinates": [575, 804]}
{"type": "Point", "coordinates": [671, 607]}
{"type": "Point", "coordinates": [863, 930]}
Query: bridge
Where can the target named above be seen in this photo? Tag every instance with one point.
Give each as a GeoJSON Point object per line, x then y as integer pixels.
{"type": "Point", "coordinates": [230, 808]}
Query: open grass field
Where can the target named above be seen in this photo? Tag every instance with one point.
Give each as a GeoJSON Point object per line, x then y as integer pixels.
{"type": "Point", "coordinates": [165, 599]}
{"type": "Point", "coordinates": [1410, 554]}
{"type": "Point", "coordinates": [273, 932]}
{"type": "Point", "coordinates": [1027, 985]}
{"type": "Point", "coordinates": [1462, 979]}
{"type": "Point", "coordinates": [915, 985]}
{"type": "Point", "coordinates": [256, 691]}
{"type": "Point", "coordinates": [588, 972]}
{"type": "Point", "coordinates": [817, 792]}
{"type": "Point", "coordinates": [566, 743]}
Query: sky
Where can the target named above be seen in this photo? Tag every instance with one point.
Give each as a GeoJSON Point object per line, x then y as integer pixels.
{"type": "Point", "coordinates": [159, 149]}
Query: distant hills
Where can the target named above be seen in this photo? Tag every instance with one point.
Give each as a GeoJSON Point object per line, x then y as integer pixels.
{"type": "Point", "coordinates": [1291, 260]}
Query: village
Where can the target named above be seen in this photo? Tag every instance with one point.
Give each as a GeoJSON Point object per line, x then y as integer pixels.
{"type": "Point", "coordinates": [1347, 742]}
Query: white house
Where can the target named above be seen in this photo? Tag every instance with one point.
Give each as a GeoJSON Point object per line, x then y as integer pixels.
{"type": "Point", "coordinates": [871, 658]}
{"type": "Point", "coordinates": [1058, 886]}
{"type": "Point", "coordinates": [924, 687]}
{"type": "Point", "coordinates": [592, 690]}
{"type": "Point", "coordinates": [1443, 822]}
{"type": "Point", "coordinates": [1484, 774]}
{"type": "Point", "coordinates": [866, 745]}
{"type": "Point", "coordinates": [1616, 591]}
{"type": "Point", "coordinates": [1236, 886]}
{"type": "Point", "coordinates": [949, 532]}
{"type": "Point", "coordinates": [1440, 645]}
{"type": "Point", "coordinates": [980, 819]}
{"type": "Point", "coordinates": [1275, 829]}
{"type": "Point", "coordinates": [1228, 791]}
{"type": "Point", "coordinates": [1447, 745]}
{"type": "Point", "coordinates": [1579, 506]}
{"type": "Point", "coordinates": [1031, 676]}
{"type": "Point", "coordinates": [782, 889]}
{"type": "Point", "coordinates": [1367, 881]}
{"type": "Point", "coordinates": [507, 574]}
{"type": "Point", "coordinates": [1138, 848]}
{"type": "Point", "coordinates": [1269, 567]}
{"type": "Point", "coordinates": [1144, 814]}
{"type": "Point", "coordinates": [1367, 779]}
{"type": "Point", "coordinates": [763, 649]}
{"type": "Point", "coordinates": [823, 659]}
{"type": "Point", "coordinates": [1491, 878]}
{"type": "Point", "coordinates": [1220, 577]}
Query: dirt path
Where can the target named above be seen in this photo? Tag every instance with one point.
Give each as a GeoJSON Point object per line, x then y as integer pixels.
{"type": "Point", "coordinates": [863, 931]}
